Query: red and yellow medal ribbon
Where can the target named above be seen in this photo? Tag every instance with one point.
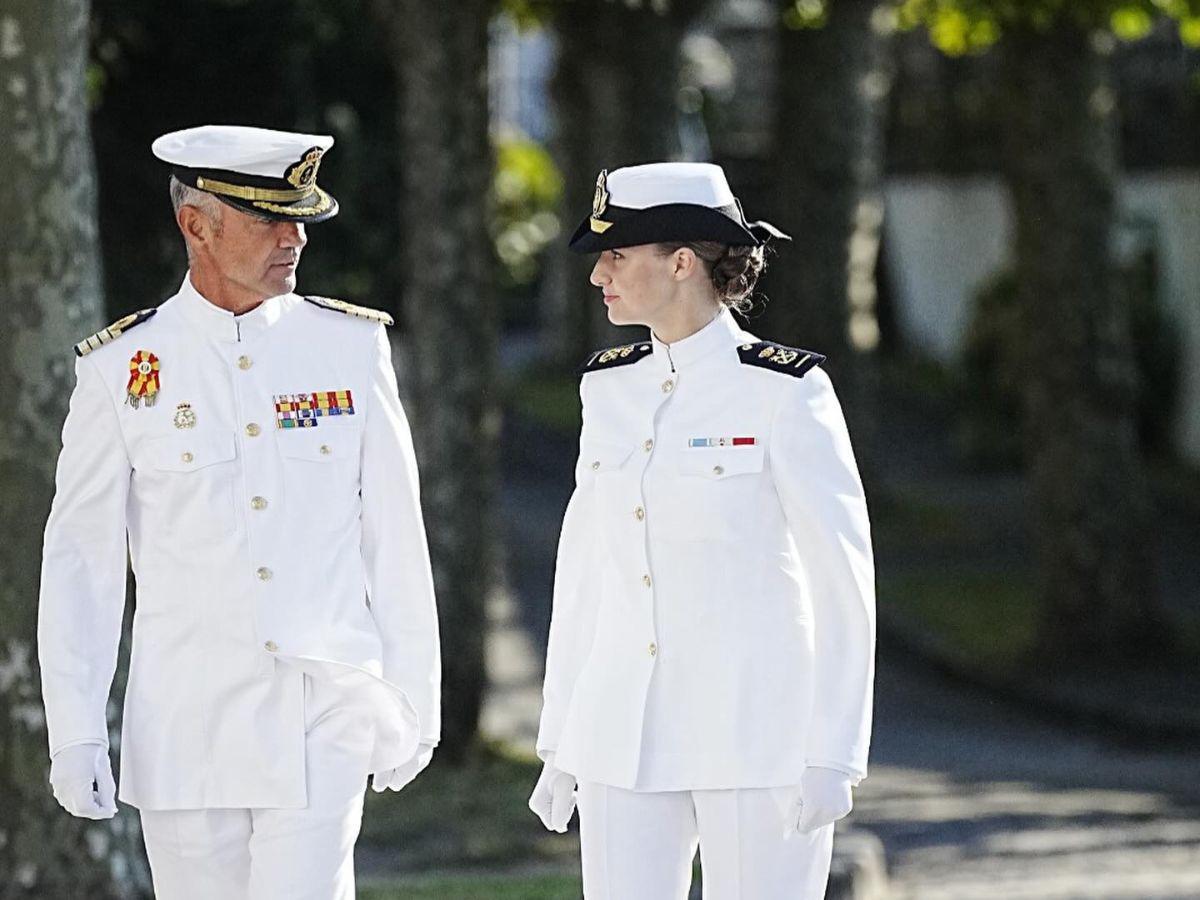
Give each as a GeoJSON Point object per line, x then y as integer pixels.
{"type": "Point", "coordinates": [143, 378]}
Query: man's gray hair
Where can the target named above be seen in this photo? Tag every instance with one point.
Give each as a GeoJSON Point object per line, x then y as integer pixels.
{"type": "Point", "coordinates": [186, 195]}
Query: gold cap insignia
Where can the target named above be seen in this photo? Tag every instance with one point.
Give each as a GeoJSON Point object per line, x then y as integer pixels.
{"type": "Point", "coordinates": [303, 174]}
{"type": "Point", "coordinates": [600, 203]}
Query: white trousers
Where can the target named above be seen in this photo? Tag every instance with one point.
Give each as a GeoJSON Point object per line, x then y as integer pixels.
{"type": "Point", "coordinates": [640, 846]}
{"type": "Point", "coordinates": [273, 854]}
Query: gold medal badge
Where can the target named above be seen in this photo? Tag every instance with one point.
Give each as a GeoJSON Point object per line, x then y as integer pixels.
{"type": "Point", "coordinates": [143, 379]}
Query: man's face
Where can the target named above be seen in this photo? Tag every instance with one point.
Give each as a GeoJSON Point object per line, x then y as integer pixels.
{"type": "Point", "coordinates": [258, 256]}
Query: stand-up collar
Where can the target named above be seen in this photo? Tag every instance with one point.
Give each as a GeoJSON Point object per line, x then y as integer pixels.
{"type": "Point", "coordinates": [722, 331]}
{"type": "Point", "coordinates": [221, 324]}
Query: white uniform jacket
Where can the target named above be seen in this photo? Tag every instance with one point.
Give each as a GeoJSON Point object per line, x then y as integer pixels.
{"type": "Point", "coordinates": [251, 543]}
{"type": "Point", "coordinates": [714, 615]}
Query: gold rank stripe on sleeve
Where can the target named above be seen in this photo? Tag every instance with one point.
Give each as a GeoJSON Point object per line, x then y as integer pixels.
{"type": "Point", "coordinates": [612, 357]}
{"type": "Point", "coordinates": [113, 331]}
{"type": "Point", "coordinates": [789, 360]}
{"type": "Point", "coordinates": [350, 309]}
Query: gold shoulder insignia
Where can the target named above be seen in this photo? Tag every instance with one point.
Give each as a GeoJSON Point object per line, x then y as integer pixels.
{"type": "Point", "coordinates": [614, 356]}
{"type": "Point", "coordinates": [349, 309]}
{"type": "Point", "coordinates": [113, 331]}
{"type": "Point", "coordinates": [789, 360]}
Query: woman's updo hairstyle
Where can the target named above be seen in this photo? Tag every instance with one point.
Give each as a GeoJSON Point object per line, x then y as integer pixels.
{"type": "Point", "coordinates": [734, 270]}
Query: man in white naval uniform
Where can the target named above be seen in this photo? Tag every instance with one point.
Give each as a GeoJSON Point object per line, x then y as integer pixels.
{"type": "Point", "coordinates": [248, 446]}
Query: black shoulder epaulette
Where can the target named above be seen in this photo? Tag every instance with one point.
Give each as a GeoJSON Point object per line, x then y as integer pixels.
{"type": "Point", "coordinates": [113, 331]}
{"type": "Point", "coordinates": [613, 357]}
{"type": "Point", "coordinates": [349, 309]}
{"type": "Point", "coordinates": [769, 355]}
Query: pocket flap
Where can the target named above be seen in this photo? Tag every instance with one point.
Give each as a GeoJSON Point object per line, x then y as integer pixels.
{"type": "Point", "coordinates": [185, 452]}
{"type": "Point", "coordinates": [318, 446]}
{"type": "Point", "coordinates": [603, 456]}
{"type": "Point", "coordinates": [721, 462]}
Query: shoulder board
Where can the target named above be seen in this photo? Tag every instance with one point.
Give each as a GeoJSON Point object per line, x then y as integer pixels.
{"type": "Point", "coordinates": [614, 356]}
{"type": "Point", "coordinates": [349, 309]}
{"type": "Point", "coordinates": [113, 331]}
{"type": "Point", "coordinates": [789, 360]}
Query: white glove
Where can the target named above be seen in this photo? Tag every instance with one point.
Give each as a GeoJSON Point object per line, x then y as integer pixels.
{"type": "Point", "coordinates": [399, 777]}
{"type": "Point", "coordinates": [553, 797]}
{"type": "Point", "coordinates": [822, 798]}
{"type": "Point", "coordinates": [82, 779]}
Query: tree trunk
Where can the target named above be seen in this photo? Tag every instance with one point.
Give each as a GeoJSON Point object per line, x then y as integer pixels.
{"type": "Point", "coordinates": [50, 297]}
{"type": "Point", "coordinates": [833, 81]}
{"type": "Point", "coordinates": [612, 108]}
{"type": "Point", "coordinates": [451, 324]}
{"type": "Point", "coordinates": [1090, 500]}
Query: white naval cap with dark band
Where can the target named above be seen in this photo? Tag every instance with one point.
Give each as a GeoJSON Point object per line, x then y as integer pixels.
{"type": "Point", "coordinates": [268, 173]}
{"type": "Point", "coordinates": [667, 202]}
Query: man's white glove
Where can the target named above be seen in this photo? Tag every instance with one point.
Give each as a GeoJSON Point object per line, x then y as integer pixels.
{"type": "Point", "coordinates": [823, 797]}
{"type": "Point", "coordinates": [399, 777]}
{"type": "Point", "coordinates": [553, 797]}
{"type": "Point", "coordinates": [82, 779]}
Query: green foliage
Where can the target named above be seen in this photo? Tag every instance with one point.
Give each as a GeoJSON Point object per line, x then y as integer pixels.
{"type": "Point", "coordinates": [959, 27]}
{"type": "Point", "coordinates": [526, 188]}
{"type": "Point", "coordinates": [800, 14]}
{"type": "Point", "coordinates": [476, 887]}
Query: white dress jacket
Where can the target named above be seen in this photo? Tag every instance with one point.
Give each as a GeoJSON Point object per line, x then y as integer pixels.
{"type": "Point", "coordinates": [252, 545]}
{"type": "Point", "coordinates": [713, 622]}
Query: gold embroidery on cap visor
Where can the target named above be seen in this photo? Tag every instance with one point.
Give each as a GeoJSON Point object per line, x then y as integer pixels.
{"type": "Point", "coordinates": [600, 203]}
{"type": "Point", "coordinates": [323, 202]}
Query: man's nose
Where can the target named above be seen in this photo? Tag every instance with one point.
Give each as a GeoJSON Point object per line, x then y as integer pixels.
{"type": "Point", "coordinates": [291, 234]}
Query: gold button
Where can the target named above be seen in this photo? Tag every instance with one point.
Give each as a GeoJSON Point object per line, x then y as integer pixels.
{"type": "Point", "coordinates": [187, 457]}
{"type": "Point", "coordinates": [245, 362]}
{"type": "Point", "coordinates": [648, 445]}
{"type": "Point", "coordinates": [325, 450]}
{"type": "Point", "coordinates": [639, 513]}
{"type": "Point", "coordinates": [258, 502]}
{"type": "Point", "coordinates": [652, 649]}
{"type": "Point", "coordinates": [253, 429]}
{"type": "Point", "coordinates": [263, 573]}
{"type": "Point", "coordinates": [667, 385]}
{"type": "Point", "coordinates": [595, 464]}
{"type": "Point", "coordinates": [718, 470]}
{"type": "Point", "coordinates": [271, 646]}
{"type": "Point", "coordinates": [646, 580]}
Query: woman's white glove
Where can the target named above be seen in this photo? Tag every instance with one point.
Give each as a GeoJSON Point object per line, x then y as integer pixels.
{"type": "Point", "coordinates": [399, 777]}
{"type": "Point", "coordinates": [553, 797]}
{"type": "Point", "coordinates": [823, 797]}
{"type": "Point", "coordinates": [82, 780]}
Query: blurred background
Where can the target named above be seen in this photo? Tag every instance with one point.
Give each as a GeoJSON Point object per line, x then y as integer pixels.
{"type": "Point", "coordinates": [996, 212]}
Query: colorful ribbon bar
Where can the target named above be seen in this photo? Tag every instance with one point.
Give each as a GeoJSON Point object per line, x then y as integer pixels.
{"type": "Point", "coordinates": [723, 442]}
{"type": "Point", "coordinates": [303, 410]}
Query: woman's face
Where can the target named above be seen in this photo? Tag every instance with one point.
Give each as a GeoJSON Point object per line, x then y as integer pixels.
{"type": "Point", "coordinates": [637, 283]}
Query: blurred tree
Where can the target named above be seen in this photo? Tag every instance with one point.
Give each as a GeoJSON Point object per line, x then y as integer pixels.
{"type": "Point", "coordinates": [614, 92]}
{"type": "Point", "coordinates": [440, 51]}
{"type": "Point", "coordinates": [50, 297]}
{"type": "Point", "coordinates": [1090, 499]}
{"type": "Point", "coordinates": [833, 84]}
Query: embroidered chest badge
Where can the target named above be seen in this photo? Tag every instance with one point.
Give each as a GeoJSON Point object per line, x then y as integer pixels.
{"type": "Point", "coordinates": [143, 384]}
{"type": "Point", "coordinates": [185, 416]}
{"type": "Point", "coordinates": [303, 410]}
{"type": "Point", "coordinates": [723, 442]}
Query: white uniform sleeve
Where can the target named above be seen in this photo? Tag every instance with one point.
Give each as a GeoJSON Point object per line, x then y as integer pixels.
{"type": "Point", "coordinates": [84, 562]}
{"type": "Point", "coordinates": [395, 552]}
{"type": "Point", "coordinates": [822, 496]}
{"type": "Point", "coordinates": [573, 616]}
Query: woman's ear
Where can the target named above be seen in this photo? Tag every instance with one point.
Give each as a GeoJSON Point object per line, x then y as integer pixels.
{"type": "Point", "coordinates": [683, 263]}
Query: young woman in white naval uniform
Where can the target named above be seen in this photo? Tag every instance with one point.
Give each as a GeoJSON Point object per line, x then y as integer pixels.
{"type": "Point", "coordinates": [710, 665]}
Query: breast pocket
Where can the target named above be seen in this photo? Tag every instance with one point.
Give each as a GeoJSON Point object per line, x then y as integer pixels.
{"type": "Point", "coordinates": [191, 496]}
{"type": "Point", "coordinates": [717, 491]}
{"type": "Point", "coordinates": [321, 476]}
